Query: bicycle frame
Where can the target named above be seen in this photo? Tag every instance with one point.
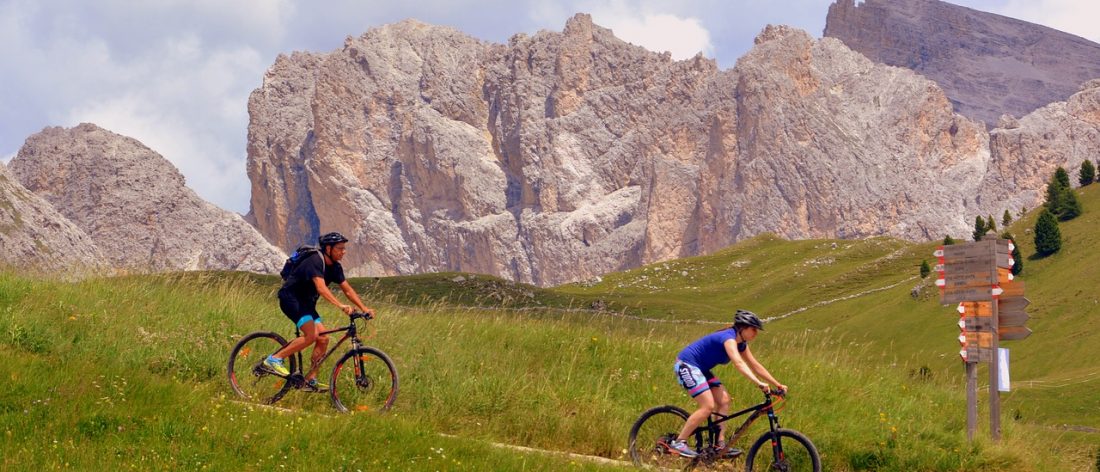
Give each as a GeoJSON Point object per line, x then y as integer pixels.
{"type": "Point", "coordinates": [711, 428]}
{"type": "Point", "coordinates": [350, 332]}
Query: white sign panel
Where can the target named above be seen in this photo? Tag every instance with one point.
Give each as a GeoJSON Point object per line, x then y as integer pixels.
{"type": "Point", "coordinates": [1002, 369]}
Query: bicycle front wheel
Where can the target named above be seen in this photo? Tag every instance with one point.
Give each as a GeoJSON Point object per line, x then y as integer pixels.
{"type": "Point", "coordinates": [651, 434]}
{"type": "Point", "coordinates": [784, 450]}
{"type": "Point", "coordinates": [363, 380]}
{"type": "Point", "coordinates": [247, 376]}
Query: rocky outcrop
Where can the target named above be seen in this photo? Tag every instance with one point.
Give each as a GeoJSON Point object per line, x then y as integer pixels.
{"type": "Point", "coordinates": [987, 64]}
{"type": "Point", "coordinates": [34, 236]}
{"type": "Point", "coordinates": [134, 204]}
{"type": "Point", "coordinates": [561, 156]}
{"type": "Point", "coordinates": [280, 134]}
{"type": "Point", "coordinates": [1026, 153]}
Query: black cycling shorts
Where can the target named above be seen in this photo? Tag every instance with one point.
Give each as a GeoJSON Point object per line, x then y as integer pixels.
{"type": "Point", "coordinates": [300, 311]}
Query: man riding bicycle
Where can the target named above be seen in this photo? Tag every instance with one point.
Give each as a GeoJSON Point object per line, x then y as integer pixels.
{"type": "Point", "coordinates": [298, 300]}
{"type": "Point", "coordinates": [693, 371]}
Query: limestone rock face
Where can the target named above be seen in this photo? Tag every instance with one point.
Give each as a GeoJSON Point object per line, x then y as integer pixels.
{"type": "Point", "coordinates": [561, 156]}
{"type": "Point", "coordinates": [34, 236]}
{"type": "Point", "coordinates": [1025, 156]}
{"type": "Point", "coordinates": [834, 145]}
{"type": "Point", "coordinates": [280, 129]}
{"type": "Point", "coordinates": [134, 204]}
{"type": "Point", "coordinates": [986, 63]}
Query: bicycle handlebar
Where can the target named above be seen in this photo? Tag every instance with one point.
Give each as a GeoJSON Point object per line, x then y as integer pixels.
{"type": "Point", "coordinates": [358, 314]}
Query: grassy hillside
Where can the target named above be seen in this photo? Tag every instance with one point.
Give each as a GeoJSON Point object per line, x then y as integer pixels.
{"type": "Point", "coordinates": [129, 372]}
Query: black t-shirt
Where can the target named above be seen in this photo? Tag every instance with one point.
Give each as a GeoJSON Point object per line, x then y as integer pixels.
{"type": "Point", "coordinates": [300, 281]}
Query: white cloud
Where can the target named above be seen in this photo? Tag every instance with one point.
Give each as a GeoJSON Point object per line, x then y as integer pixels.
{"type": "Point", "coordinates": [190, 105]}
{"type": "Point", "coordinates": [178, 91]}
{"type": "Point", "coordinates": [633, 21]}
{"type": "Point", "coordinates": [1077, 17]}
{"type": "Point", "coordinates": [683, 37]}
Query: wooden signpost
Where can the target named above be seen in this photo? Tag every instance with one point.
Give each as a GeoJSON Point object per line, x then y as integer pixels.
{"type": "Point", "coordinates": [978, 276]}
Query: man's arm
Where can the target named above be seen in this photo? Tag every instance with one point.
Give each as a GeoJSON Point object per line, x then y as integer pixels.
{"type": "Point", "coordinates": [354, 297]}
{"type": "Point", "coordinates": [324, 292]}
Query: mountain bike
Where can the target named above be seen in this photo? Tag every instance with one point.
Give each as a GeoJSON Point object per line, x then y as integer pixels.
{"type": "Point", "coordinates": [778, 449]}
{"type": "Point", "coordinates": [364, 379]}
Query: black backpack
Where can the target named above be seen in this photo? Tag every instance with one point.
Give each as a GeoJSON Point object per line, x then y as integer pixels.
{"type": "Point", "coordinates": [299, 255]}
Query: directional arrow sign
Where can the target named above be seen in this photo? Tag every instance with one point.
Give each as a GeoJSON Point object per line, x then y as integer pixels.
{"type": "Point", "coordinates": [968, 250]}
{"type": "Point", "coordinates": [967, 279]}
{"type": "Point", "coordinates": [1010, 319]}
{"type": "Point", "coordinates": [1014, 303]}
{"type": "Point", "coordinates": [966, 294]}
{"type": "Point", "coordinates": [977, 354]}
{"type": "Point", "coordinates": [1013, 289]}
{"type": "Point", "coordinates": [1013, 333]}
{"type": "Point", "coordinates": [982, 309]}
{"type": "Point", "coordinates": [980, 338]}
{"type": "Point", "coordinates": [977, 324]}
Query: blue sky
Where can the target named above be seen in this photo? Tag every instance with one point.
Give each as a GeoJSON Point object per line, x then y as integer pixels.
{"type": "Point", "coordinates": [176, 74]}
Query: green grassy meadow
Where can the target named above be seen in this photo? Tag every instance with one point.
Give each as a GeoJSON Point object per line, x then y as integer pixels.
{"type": "Point", "coordinates": [129, 372]}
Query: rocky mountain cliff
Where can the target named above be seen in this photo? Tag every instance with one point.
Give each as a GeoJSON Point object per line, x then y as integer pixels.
{"type": "Point", "coordinates": [134, 204]}
{"type": "Point", "coordinates": [34, 236]}
{"type": "Point", "coordinates": [561, 156]}
{"type": "Point", "coordinates": [1026, 152]}
{"type": "Point", "coordinates": [987, 64]}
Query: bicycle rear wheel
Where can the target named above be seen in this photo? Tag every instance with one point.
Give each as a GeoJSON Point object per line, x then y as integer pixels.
{"type": "Point", "coordinates": [785, 450]}
{"type": "Point", "coordinates": [651, 434]}
{"type": "Point", "coordinates": [363, 380]}
{"type": "Point", "coordinates": [247, 376]}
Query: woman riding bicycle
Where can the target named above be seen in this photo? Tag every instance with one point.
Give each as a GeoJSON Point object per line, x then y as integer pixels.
{"type": "Point", "coordinates": [693, 371]}
{"type": "Point", "coordinates": [298, 299]}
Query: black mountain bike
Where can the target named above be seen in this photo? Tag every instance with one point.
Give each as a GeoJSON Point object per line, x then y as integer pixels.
{"type": "Point", "coordinates": [777, 449]}
{"type": "Point", "coordinates": [364, 379]}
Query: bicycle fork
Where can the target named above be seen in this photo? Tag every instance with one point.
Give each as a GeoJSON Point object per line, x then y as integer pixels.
{"type": "Point", "coordinates": [777, 447]}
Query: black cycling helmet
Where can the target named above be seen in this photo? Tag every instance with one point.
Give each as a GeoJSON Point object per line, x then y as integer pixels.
{"type": "Point", "coordinates": [747, 318]}
{"type": "Point", "coordinates": [331, 239]}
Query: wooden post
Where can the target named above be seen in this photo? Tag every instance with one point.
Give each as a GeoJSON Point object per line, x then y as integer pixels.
{"type": "Point", "coordinates": [971, 399]}
{"type": "Point", "coordinates": [994, 367]}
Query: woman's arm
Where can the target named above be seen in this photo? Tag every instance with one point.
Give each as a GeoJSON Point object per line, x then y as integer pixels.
{"type": "Point", "coordinates": [757, 367]}
{"type": "Point", "coordinates": [741, 365]}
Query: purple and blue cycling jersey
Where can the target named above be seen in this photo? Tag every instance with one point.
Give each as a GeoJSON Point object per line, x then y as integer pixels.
{"type": "Point", "coordinates": [709, 351]}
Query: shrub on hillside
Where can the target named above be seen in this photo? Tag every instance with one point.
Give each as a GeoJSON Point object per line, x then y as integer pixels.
{"type": "Point", "coordinates": [925, 269]}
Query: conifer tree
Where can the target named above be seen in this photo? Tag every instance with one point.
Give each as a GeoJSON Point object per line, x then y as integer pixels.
{"type": "Point", "coordinates": [1006, 219]}
{"type": "Point", "coordinates": [1088, 173]}
{"type": "Point", "coordinates": [1048, 238]}
{"type": "Point", "coordinates": [979, 228]}
{"type": "Point", "coordinates": [925, 269]}
{"type": "Point", "coordinates": [990, 225]}
{"type": "Point", "coordinates": [948, 240]}
{"type": "Point", "coordinates": [1061, 176]}
{"type": "Point", "coordinates": [1055, 192]}
{"type": "Point", "coordinates": [1069, 207]}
